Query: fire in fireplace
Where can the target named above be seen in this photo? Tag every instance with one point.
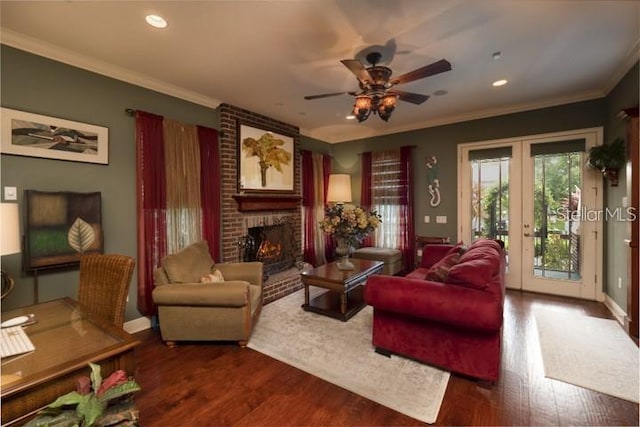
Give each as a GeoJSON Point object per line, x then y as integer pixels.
{"type": "Point", "coordinates": [274, 245]}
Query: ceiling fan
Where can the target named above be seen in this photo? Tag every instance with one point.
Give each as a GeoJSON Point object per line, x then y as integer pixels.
{"type": "Point", "coordinates": [377, 93]}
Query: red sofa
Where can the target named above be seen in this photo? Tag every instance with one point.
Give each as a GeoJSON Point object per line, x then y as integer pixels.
{"type": "Point", "coordinates": [452, 320]}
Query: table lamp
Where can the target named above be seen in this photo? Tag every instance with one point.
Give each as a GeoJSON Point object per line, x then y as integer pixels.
{"type": "Point", "coordinates": [339, 188]}
{"type": "Point", "coordinates": [9, 240]}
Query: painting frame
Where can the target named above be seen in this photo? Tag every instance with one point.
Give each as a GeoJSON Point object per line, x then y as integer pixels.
{"type": "Point", "coordinates": [61, 226]}
{"type": "Point", "coordinates": [265, 160]}
{"type": "Point", "coordinates": [35, 135]}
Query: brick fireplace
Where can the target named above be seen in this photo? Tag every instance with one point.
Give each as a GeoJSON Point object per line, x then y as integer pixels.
{"type": "Point", "coordinates": [237, 221]}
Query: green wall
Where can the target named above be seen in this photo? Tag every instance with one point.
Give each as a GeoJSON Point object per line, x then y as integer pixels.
{"type": "Point", "coordinates": [624, 95]}
{"type": "Point", "coordinates": [442, 141]}
{"type": "Point", "coordinates": [38, 85]}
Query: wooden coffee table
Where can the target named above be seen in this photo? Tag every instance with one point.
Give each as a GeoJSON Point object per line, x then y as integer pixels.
{"type": "Point", "coordinates": [66, 339]}
{"type": "Point", "coordinates": [344, 297]}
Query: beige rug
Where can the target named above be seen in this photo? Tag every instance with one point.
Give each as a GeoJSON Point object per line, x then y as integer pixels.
{"type": "Point", "coordinates": [588, 352]}
{"type": "Point", "coordinates": [341, 353]}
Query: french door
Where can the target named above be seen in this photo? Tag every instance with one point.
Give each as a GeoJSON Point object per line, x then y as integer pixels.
{"type": "Point", "coordinates": [536, 195]}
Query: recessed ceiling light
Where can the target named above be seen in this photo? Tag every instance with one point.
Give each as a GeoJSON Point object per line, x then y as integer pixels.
{"type": "Point", "coordinates": [156, 21]}
{"type": "Point", "coordinates": [350, 117]}
{"type": "Point", "coordinates": [496, 55]}
{"type": "Point", "coordinates": [500, 83]}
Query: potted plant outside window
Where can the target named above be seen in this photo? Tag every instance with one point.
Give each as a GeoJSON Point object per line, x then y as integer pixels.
{"type": "Point", "coordinates": [608, 159]}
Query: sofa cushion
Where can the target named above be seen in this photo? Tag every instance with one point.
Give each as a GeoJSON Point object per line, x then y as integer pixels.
{"type": "Point", "coordinates": [440, 270]}
{"type": "Point", "coordinates": [474, 273]}
{"type": "Point", "coordinates": [458, 248]}
{"type": "Point", "coordinates": [487, 243]}
{"type": "Point", "coordinates": [189, 264]}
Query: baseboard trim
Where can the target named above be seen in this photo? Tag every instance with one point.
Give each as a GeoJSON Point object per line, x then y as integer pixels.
{"type": "Point", "coordinates": [137, 325]}
{"type": "Point", "coordinates": [615, 309]}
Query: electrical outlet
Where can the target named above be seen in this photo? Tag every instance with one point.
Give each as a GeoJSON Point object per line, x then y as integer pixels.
{"type": "Point", "coordinates": [427, 220]}
{"type": "Point", "coordinates": [441, 219]}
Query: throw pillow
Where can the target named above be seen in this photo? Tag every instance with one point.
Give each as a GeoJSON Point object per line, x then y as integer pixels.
{"type": "Point", "coordinates": [440, 270]}
{"type": "Point", "coordinates": [189, 264]}
{"type": "Point", "coordinates": [458, 248]}
{"type": "Point", "coordinates": [476, 273]}
{"type": "Point", "coordinates": [214, 277]}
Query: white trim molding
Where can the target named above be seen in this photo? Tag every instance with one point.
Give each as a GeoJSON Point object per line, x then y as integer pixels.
{"type": "Point", "coordinates": [137, 325]}
{"type": "Point", "coordinates": [57, 53]}
{"type": "Point", "coordinates": [615, 309]}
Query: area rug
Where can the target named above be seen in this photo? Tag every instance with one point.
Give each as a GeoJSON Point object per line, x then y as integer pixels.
{"type": "Point", "coordinates": [341, 353]}
{"type": "Point", "coordinates": [588, 352]}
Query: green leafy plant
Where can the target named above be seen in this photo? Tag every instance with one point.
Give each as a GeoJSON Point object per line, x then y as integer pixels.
{"type": "Point", "coordinates": [94, 403]}
{"type": "Point", "coordinates": [608, 156]}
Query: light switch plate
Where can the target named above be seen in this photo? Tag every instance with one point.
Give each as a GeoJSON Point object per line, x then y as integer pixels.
{"type": "Point", "coordinates": [441, 219]}
{"type": "Point", "coordinates": [10, 193]}
{"type": "Point", "coordinates": [427, 220]}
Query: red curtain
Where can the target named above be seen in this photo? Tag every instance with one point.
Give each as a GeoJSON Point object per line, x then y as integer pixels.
{"type": "Point", "coordinates": [308, 196]}
{"type": "Point", "coordinates": [210, 189]}
{"type": "Point", "coordinates": [365, 190]}
{"type": "Point", "coordinates": [406, 201]}
{"type": "Point", "coordinates": [150, 179]}
{"type": "Point", "coordinates": [151, 183]}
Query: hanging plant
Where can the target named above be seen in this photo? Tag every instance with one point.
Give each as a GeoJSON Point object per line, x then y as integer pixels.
{"type": "Point", "coordinates": [608, 159]}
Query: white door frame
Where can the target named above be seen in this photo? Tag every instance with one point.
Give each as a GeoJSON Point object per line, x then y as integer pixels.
{"type": "Point", "coordinates": [591, 287]}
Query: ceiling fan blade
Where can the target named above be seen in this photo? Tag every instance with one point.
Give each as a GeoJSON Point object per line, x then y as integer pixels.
{"type": "Point", "coordinates": [326, 95]}
{"type": "Point", "coordinates": [357, 69]}
{"type": "Point", "coordinates": [422, 72]}
{"type": "Point", "coordinates": [414, 98]}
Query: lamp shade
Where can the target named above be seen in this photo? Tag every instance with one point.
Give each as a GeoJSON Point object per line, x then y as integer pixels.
{"type": "Point", "coordinates": [9, 229]}
{"type": "Point", "coordinates": [339, 188]}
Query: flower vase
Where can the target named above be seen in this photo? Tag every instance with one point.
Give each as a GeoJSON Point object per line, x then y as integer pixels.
{"type": "Point", "coordinates": [343, 250]}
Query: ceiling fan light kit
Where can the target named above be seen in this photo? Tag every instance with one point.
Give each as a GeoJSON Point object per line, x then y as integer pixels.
{"type": "Point", "coordinates": [375, 86]}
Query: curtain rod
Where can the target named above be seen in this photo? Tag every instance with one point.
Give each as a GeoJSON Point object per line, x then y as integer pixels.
{"type": "Point", "coordinates": [132, 113]}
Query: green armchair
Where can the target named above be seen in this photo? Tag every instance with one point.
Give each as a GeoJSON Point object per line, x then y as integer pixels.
{"type": "Point", "coordinates": [189, 309]}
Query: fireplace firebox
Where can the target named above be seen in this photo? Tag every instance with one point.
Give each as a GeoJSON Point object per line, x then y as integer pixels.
{"type": "Point", "coordinates": [272, 244]}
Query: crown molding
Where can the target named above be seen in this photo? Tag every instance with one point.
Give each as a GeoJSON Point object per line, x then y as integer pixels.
{"type": "Point", "coordinates": [57, 53]}
{"type": "Point", "coordinates": [477, 115]}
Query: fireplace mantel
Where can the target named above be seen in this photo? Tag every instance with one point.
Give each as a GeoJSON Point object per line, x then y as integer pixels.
{"type": "Point", "coordinates": [266, 202]}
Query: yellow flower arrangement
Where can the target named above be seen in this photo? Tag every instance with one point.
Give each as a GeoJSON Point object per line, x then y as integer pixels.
{"type": "Point", "coordinates": [349, 222]}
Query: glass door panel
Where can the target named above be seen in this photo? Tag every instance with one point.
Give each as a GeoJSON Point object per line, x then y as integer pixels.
{"type": "Point", "coordinates": [556, 228]}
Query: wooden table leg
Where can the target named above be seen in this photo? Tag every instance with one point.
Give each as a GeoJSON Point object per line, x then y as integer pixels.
{"type": "Point", "coordinates": [343, 303]}
{"type": "Point", "coordinates": [306, 294]}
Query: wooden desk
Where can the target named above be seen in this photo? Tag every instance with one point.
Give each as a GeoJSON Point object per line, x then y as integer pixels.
{"type": "Point", "coordinates": [345, 297]}
{"type": "Point", "coordinates": [66, 340]}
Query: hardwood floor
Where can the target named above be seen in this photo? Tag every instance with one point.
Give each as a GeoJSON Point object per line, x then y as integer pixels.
{"type": "Point", "coordinates": [222, 384]}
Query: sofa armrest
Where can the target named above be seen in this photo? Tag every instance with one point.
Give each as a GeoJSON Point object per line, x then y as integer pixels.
{"type": "Point", "coordinates": [223, 294]}
{"type": "Point", "coordinates": [247, 271]}
{"type": "Point", "coordinates": [433, 253]}
{"type": "Point", "coordinates": [439, 302]}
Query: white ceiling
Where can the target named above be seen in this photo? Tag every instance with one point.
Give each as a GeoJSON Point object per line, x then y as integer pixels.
{"type": "Point", "coordinates": [264, 56]}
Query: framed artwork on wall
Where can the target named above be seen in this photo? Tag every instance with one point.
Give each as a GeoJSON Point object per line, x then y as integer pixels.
{"type": "Point", "coordinates": [60, 227]}
{"type": "Point", "coordinates": [265, 161]}
{"type": "Point", "coordinates": [34, 135]}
